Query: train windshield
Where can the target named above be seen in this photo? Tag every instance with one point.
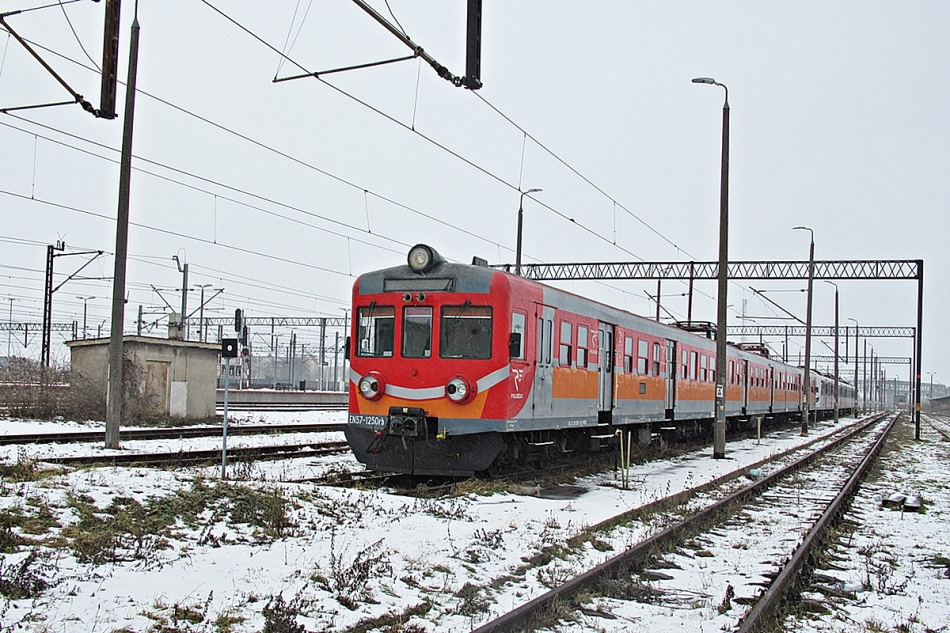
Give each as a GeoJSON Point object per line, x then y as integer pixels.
{"type": "Point", "coordinates": [466, 331]}
{"type": "Point", "coordinates": [417, 332]}
{"type": "Point", "coordinates": [375, 330]}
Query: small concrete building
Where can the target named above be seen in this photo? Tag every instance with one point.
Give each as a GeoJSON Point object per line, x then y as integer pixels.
{"type": "Point", "coordinates": [164, 377]}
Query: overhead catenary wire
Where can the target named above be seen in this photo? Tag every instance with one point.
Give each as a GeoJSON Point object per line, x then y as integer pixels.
{"type": "Point", "coordinates": [465, 160]}
{"type": "Point", "coordinates": [452, 152]}
{"type": "Point", "coordinates": [76, 35]}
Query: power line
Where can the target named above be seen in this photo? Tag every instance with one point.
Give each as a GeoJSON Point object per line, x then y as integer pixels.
{"type": "Point", "coordinates": [238, 249]}
{"type": "Point", "coordinates": [344, 181]}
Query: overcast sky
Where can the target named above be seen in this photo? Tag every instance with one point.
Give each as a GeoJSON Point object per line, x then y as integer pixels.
{"type": "Point", "coordinates": [282, 193]}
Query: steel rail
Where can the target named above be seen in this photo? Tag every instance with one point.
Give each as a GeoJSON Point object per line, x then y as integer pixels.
{"type": "Point", "coordinates": [281, 451]}
{"type": "Point", "coordinates": [519, 619]}
{"type": "Point", "coordinates": [939, 426]}
{"type": "Point", "coordinates": [284, 406]}
{"type": "Point", "coordinates": [167, 433]}
{"type": "Point", "coordinates": [767, 606]}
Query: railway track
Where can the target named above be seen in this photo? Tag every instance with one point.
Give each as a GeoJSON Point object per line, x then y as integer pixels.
{"type": "Point", "coordinates": [660, 573]}
{"type": "Point", "coordinates": [284, 406]}
{"type": "Point", "coordinates": [204, 456]}
{"type": "Point", "coordinates": [940, 424]}
{"type": "Point", "coordinates": [167, 433]}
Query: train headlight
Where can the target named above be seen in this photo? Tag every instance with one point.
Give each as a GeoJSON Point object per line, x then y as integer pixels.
{"type": "Point", "coordinates": [372, 386]}
{"type": "Point", "coordinates": [459, 391]}
{"type": "Point", "coordinates": [423, 258]}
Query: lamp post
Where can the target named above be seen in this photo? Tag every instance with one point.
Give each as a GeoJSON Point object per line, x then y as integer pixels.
{"type": "Point", "coordinates": [856, 327]}
{"type": "Point", "coordinates": [84, 301]}
{"type": "Point", "coordinates": [811, 277]}
{"type": "Point", "coordinates": [931, 397]}
{"type": "Point", "coordinates": [719, 427]}
{"type": "Point", "coordinates": [520, 222]}
{"type": "Point", "coordinates": [836, 349]}
{"type": "Point", "coordinates": [10, 327]}
{"type": "Point", "coordinates": [201, 312]}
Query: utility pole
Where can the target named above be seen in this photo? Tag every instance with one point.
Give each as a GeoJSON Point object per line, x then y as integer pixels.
{"type": "Point", "coordinates": [183, 269]}
{"type": "Point", "coordinates": [48, 302]}
{"type": "Point", "coordinates": [321, 356]}
{"type": "Point", "coordinates": [114, 408]}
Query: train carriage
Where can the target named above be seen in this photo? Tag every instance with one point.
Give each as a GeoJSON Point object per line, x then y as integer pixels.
{"type": "Point", "coordinates": [458, 369]}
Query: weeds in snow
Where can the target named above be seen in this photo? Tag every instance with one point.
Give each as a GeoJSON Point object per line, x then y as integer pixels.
{"type": "Point", "coordinates": [349, 580]}
{"type": "Point", "coordinates": [28, 578]}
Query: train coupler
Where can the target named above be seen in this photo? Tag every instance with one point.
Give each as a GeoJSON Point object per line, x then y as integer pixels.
{"type": "Point", "coordinates": [407, 422]}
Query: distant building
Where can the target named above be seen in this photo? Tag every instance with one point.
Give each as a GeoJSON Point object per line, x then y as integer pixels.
{"type": "Point", "coordinates": [897, 392]}
{"type": "Point", "coordinates": [163, 377]}
{"type": "Point", "coordinates": [940, 405]}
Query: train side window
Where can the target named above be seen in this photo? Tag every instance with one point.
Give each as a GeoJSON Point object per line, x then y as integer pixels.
{"type": "Point", "coordinates": [417, 332]}
{"type": "Point", "coordinates": [541, 340]}
{"type": "Point", "coordinates": [712, 369]}
{"type": "Point", "coordinates": [516, 340]}
{"type": "Point", "coordinates": [643, 357]}
{"type": "Point", "coordinates": [656, 359]}
{"type": "Point", "coordinates": [549, 340]}
{"type": "Point", "coordinates": [375, 330]}
{"type": "Point", "coordinates": [692, 365]}
{"type": "Point", "coordinates": [465, 331]}
{"type": "Point", "coordinates": [702, 368]}
{"type": "Point", "coordinates": [566, 347]}
{"type": "Point", "coordinates": [583, 344]}
{"type": "Point", "coordinates": [685, 364]}
{"type": "Point", "coordinates": [628, 355]}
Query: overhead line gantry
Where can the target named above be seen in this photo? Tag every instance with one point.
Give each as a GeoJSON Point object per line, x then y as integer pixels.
{"type": "Point", "coordinates": [787, 270]}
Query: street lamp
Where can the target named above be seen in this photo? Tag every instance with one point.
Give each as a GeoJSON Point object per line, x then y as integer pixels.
{"type": "Point", "coordinates": [201, 312]}
{"type": "Point", "coordinates": [719, 427]}
{"type": "Point", "coordinates": [931, 398]}
{"type": "Point", "coordinates": [836, 347]}
{"type": "Point", "coordinates": [10, 327]}
{"type": "Point", "coordinates": [811, 277]}
{"type": "Point", "coordinates": [520, 222]}
{"type": "Point", "coordinates": [84, 300]}
{"type": "Point", "coordinates": [857, 411]}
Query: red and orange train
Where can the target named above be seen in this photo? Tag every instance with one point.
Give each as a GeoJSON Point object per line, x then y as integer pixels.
{"type": "Point", "coordinates": [459, 369]}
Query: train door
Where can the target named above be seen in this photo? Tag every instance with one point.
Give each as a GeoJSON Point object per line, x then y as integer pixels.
{"type": "Point", "coordinates": [542, 392]}
{"type": "Point", "coordinates": [605, 372]}
{"type": "Point", "coordinates": [745, 386]}
{"type": "Point", "coordinates": [670, 379]}
{"type": "Point", "coordinates": [771, 374]}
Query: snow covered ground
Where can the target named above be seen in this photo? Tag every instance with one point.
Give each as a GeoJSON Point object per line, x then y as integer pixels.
{"type": "Point", "coordinates": [133, 549]}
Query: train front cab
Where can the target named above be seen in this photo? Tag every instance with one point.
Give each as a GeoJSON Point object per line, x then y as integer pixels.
{"type": "Point", "coordinates": [433, 384]}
